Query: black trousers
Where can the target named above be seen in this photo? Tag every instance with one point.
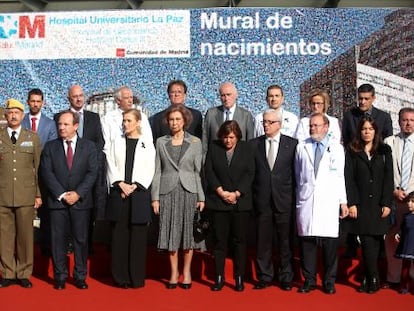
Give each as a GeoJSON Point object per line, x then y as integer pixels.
{"type": "Point", "coordinates": [128, 250]}
{"type": "Point", "coordinates": [64, 223]}
{"type": "Point", "coordinates": [370, 247]}
{"type": "Point", "coordinates": [309, 258]}
{"type": "Point", "coordinates": [230, 225]}
{"type": "Point", "coordinates": [274, 228]}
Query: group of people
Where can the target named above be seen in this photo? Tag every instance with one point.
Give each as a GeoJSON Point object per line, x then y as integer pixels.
{"type": "Point", "coordinates": [303, 178]}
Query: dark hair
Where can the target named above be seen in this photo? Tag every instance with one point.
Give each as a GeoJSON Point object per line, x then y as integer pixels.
{"type": "Point", "coordinates": [187, 116]}
{"type": "Point", "coordinates": [409, 196]}
{"type": "Point", "coordinates": [75, 115]}
{"type": "Point", "coordinates": [357, 144]}
{"type": "Point", "coordinates": [229, 127]}
{"type": "Point", "coordinates": [177, 82]}
{"type": "Point", "coordinates": [35, 92]}
{"type": "Point", "coordinates": [404, 110]}
{"type": "Point", "coordinates": [274, 87]}
{"type": "Point", "coordinates": [366, 88]}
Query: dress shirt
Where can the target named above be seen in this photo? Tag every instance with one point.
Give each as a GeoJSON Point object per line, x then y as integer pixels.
{"type": "Point", "coordinates": [9, 131]}
{"type": "Point", "coordinates": [74, 139]}
{"type": "Point", "coordinates": [37, 116]}
{"type": "Point", "coordinates": [231, 113]}
{"type": "Point", "coordinates": [276, 140]}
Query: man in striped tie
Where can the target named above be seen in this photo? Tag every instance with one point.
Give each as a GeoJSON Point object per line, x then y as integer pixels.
{"type": "Point", "coordinates": [402, 145]}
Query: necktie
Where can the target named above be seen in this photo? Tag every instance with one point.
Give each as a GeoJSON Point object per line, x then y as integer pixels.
{"type": "Point", "coordinates": [318, 157]}
{"type": "Point", "coordinates": [80, 128]}
{"type": "Point", "coordinates": [34, 124]}
{"type": "Point", "coordinates": [271, 154]}
{"type": "Point", "coordinates": [69, 154]}
{"type": "Point", "coordinates": [227, 115]}
{"type": "Point", "coordinates": [13, 137]}
{"type": "Point", "coordinates": [406, 159]}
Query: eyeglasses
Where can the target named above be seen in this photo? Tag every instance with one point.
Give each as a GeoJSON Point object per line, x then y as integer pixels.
{"type": "Point", "coordinates": [269, 122]}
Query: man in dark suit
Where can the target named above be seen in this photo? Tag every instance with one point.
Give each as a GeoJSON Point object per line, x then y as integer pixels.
{"type": "Point", "coordinates": [90, 128]}
{"type": "Point", "coordinates": [227, 111]}
{"type": "Point", "coordinates": [19, 194]}
{"type": "Point", "coordinates": [366, 98]}
{"type": "Point", "coordinates": [68, 170]}
{"type": "Point", "coordinates": [273, 195]}
{"type": "Point", "coordinates": [177, 93]}
{"type": "Point", "coordinates": [45, 127]}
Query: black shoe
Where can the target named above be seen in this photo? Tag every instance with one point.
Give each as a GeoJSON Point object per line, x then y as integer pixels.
{"type": "Point", "coordinates": [363, 287]}
{"type": "Point", "coordinates": [287, 286]}
{"type": "Point", "coordinates": [25, 283]}
{"type": "Point", "coordinates": [239, 284]}
{"type": "Point", "coordinates": [185, 285]}
{"type": "Point", "coordinates": [307, 287]}
{"type": "Point", "coordinates": [390, 285]}
{"type": "Point", "coordinates": [218, 285]}
{"type": "Point", "coordinates": [59, 285]}
{"type": "Point", "coordinates": [329, 289]}
{"type": "Point", "coordinates": [373, 286]}
{"type": "Point", "coordinates": [81, 284]}
{"type": "Point", "coordinates": [69, 248]}
{"type": "Point", "coordinates": [7, 282]}
{"type": "Point", "coordinates": [261, 285]}
{"type": "Point", "coordinates": [122, 285]}
{"type": "Point", "coordinates": [171, 285]}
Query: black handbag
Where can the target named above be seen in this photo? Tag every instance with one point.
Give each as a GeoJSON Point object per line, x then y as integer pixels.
{"type": "Point", "coordinates": [201, 226]}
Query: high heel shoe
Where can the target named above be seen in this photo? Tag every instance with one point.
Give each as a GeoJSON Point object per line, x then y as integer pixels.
{"type": "Point", "coordinates": [185, 285]}
{"type": "Point", "coordinates": [373, 286]}
{"type": "Point", "coordinates": [218, 285]}
{"type": "Point", "coordinates": [171, 285]}
{"type": "Point", "coordinates": [363, 287]}
{"type": "Point", "coordinates": [239, 284]}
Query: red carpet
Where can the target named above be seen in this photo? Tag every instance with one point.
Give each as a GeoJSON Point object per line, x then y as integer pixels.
{"type": "Point", "coordinates": [102, 296]}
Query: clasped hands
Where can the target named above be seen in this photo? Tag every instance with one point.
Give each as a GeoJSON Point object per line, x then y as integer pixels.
{"type": "Point", "coordinates": [227, 196]}
{"type": "Point", "coordinates": [71, 197]}
{"type": "Point", "coordinates": [127, 189]}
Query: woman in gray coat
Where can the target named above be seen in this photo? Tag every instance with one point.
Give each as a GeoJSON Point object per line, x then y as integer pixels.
{"type": "Point", "coordinates": [177, 191]}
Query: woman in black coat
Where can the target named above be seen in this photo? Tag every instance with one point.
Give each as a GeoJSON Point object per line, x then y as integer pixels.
{"type": "Point", "coordinates": [229, 172]}
{"type": "Point", "coordinates": [369, 186]}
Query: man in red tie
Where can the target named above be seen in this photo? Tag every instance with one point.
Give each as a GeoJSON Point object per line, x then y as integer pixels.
{"type": "Point", "coordinates": [68, 170]}
{"type": "Point", "coordinates": [45, 128]}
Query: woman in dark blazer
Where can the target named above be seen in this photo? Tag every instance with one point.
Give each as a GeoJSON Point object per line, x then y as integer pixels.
{"type": "Point", "coordinates": [369, 186]}
{"type": "Point", "coordinates": [131, 165]}
{"type": "Point", "coordinates": [229, 171]}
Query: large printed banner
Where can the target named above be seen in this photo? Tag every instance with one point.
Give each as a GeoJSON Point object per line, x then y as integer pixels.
{"type": "Point", "coordinates": [95, 35]}
{"type": "Point", "coordinates": [297, 48]}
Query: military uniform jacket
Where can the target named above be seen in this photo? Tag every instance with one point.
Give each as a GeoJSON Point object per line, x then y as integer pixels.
{"type": "Point", "coordinates": [18, 169]}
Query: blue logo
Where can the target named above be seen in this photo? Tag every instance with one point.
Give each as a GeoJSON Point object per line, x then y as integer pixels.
{"type": "Point", "coordinates": [8, 26]}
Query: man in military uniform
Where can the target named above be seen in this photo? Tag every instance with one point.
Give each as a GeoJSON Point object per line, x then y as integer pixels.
{"type": "Point", "coordinates": [19, 196]}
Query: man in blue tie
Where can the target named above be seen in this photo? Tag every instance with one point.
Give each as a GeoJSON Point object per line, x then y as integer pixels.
{"type": "Point", "coordinates": [319, 164]}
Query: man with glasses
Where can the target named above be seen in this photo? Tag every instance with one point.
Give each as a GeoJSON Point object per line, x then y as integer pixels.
{"type": "Point", "coordinates": [273, 195]}
{"type": "Point", "coordinates": [274, 100]}
{"type": "Point", "coordinates": [177, 94]}
{"type": "Point", "coordinates": [319, 164]}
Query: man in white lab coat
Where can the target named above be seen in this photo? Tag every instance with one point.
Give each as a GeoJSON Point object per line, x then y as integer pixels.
{"type": "Point", "coordinates": [320, 202]}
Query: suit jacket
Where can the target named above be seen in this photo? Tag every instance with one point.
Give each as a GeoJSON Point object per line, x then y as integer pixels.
{"type": "Point", "coordinates": [18, 169]}
{"type": "Point", "coordinates": [46, 128]}
{"type": "Point", "coordinates": [160, 128]}
{"type": "Point", "coordinates": [396, 142]}
{"type": "Point", "coordinates": [238, 175]}
{"type": "Point", "coordinates": [142, 174]}
{"type": "Point", "coordinates": [168, 174]}
{"type": "Point", "coordinates": [351, 120]}
{"type": "Point", "coordinates": [369, 186]}
{"type": "Point", "coordinates": [57, 177]}
{"type": "Point", "coordinates": [214, 119]}
{"type": "Point", "coordinates": [277, 185]}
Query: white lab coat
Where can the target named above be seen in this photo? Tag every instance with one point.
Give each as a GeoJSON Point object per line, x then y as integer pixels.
{"type": "Point", "coordinates": [318, 199]}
